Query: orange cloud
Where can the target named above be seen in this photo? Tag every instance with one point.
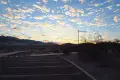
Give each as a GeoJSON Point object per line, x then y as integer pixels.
{"type": "Point", "coordinates": [8, 15]}
{"type": "Point", "coordinates": [116, 19]}
{"type": "Point", "coordinates": [2, 25]}
{"type": "Point", "coordinates": [4, 1]}
{"type": "Point", "coordinates": [4, 29]}
{"type": "Point", "coordinates": [20, 10]}
{"type": "Point", "coordinates": [17, 16]}
{"type": "Point", "coordinates": [43, 8]}
{"type": "Point", "coordinates": [89, 13]}
{"type": "Point", "coordinates": [55, 17]}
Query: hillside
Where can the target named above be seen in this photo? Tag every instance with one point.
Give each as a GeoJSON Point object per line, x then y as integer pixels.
{"type": "Point", "coordinates": [16, 41]}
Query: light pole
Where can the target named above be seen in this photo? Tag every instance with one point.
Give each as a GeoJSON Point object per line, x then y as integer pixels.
{"type": "Point", "coordinates": [78, 36]}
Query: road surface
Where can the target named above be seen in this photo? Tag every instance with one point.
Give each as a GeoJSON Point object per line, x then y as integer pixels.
{"type": "Point", "coordinates": [52, 67]}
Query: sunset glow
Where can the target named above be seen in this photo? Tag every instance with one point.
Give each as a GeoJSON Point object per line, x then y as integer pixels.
{"type": "Point", "coordinates": [59, 20]}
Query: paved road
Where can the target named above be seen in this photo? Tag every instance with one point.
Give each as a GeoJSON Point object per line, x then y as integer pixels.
{"type": "Point", "coordinates": [52, 67]}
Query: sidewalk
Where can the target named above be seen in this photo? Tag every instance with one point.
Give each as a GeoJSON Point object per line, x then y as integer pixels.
{"type": "Point", "coordinates": [46, 54]}
{"type": "Point", "coordinates": [10, 53]}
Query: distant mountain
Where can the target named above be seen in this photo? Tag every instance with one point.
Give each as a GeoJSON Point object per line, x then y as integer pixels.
{"type": "Point", "coordinates": [14, 40]}
{"type": "Point", "coordinates": [7, 38]}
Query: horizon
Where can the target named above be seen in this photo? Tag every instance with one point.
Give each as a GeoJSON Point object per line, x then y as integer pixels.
{"type": "Point", "coordinates": [59, 20]}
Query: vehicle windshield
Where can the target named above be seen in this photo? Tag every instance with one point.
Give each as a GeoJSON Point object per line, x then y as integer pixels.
{"type": "Point", "coordinates": [60, 38]}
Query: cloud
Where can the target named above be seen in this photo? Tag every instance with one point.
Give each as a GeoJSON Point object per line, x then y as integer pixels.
{"type": "Point", "coordinates": [2, 25]}
{"type": "Point", "coordinates": [13, 26]}
{"type": "Point", "coordinates": [9, 9]}
{"type": "Point", "coordinates": [15, 21]}
{"type": "Point", "coordinates": [43, 8]}
{"type": "Point", "coordinates": [8, 15]}
{"type": "Point", "coordinates": [26, 10]}
{"type": "Point", "coordinates": [69, 11]}
{"type": "Point", "coordinates": [116, 10]}
{"type": "Point", "coordinates": [81, 1]}
{"type": "Point", "coordinates": [4, 1]}
{"type": "Point", "coordinates": [66, 7]}
{"type": "Point", "coordinates": [28, 23]}
{"type": "Point", "coordinates": [55, 0]}
{"type": "Point", "coordinates": [116, 19]}
{"type": "Point", "coordinates": [97, 4]}
{"type": "Point", "coordinates": [45, 1]}
{"type": "Point", "coordinates": [89, 13]}
{"type": "Point", "coordinates": [22, 36]}
{"type": "Point", "coordinates": [75, 20]}
{"type": "Point", "coordinates": [60, 34]}
{"type": "Point", "coordinates": [109, 7]}
{"type": "Point", "coordinates": [17, 16]}
{"type": "Point", "coordinates": [53, 11]}
{"type": "Point", "coordinates": [46, 24]}
{"type": "Point", "coordinates": [36, 24]}
{"type": "Point", "coordinates": [55, 17]}
{"type": "Point", "coordinates": [82, 23]}
{"type": "Point", "coordinates": [69, 8]}
{"type": "Point", "coordinates": [97, 22]}
{"type": "Point", "coordinates": [16, 29]}
{"type": "Point", "coordinates": [65, 1]}
{"type": "Point", "coordinates": [38, 2]}
{"type": "Point", "coordinates": [61, 22]}
{"type": "Point", "coordinates": [39, 17]}
{"type": "Point", "coordinates": [4, 29]}
{"type": "Point", "coordinates": [105, 37]}
{"type": "Point", "coordinates": [20, 10]}
{"type": "Point", "coordinates": [73, 12]}
{"type": "Point", "coordinates": [117, 4]}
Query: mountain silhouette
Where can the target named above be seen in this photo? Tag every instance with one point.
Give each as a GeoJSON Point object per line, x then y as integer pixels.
{"type": "Point", "coordinates": [14, 40]}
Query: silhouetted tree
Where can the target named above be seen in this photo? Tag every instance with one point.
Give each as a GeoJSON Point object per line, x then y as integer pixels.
{"type": "Point", "coordinates": [97, 37]}
{"type": "Point", "coordinates": [116, 40]}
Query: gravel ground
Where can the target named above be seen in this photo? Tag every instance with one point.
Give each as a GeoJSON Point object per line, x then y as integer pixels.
{"type": "Point", "coordinates": [93, 68]}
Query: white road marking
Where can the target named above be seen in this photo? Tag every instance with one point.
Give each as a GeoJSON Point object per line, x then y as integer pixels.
{"type": "Point", "coordinates": [46, 54]}
{"type": "Point", "coordinates": [43, 67]}
{"type": "Point", "coordinates": [79, 68]}
{"type": "Point", "coordinates": [10, 76]}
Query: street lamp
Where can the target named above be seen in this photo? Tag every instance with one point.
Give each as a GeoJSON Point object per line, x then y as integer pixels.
{"type": "Point", "coordinates": [79, 36]}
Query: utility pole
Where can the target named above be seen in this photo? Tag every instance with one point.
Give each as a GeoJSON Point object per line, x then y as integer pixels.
{"type": "Point", "coordinates": [78, 36]}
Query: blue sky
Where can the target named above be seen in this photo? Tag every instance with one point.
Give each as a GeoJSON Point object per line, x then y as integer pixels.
{"type": "Point", "coordinates": [59, 20]}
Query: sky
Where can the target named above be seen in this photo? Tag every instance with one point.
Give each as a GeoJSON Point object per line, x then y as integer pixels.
{"type": "Point", "coordinates": [59, 20]}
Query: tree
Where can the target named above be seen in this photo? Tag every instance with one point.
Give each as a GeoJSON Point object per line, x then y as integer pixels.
{"type": "Point", "coordinates": [91, 38]}
{"type": "Point", "coordinates": [84, 39]}
{"type": "Point", "coordinates": [98, 37]}
{"type": "Point", "coordinates": [116, 40]}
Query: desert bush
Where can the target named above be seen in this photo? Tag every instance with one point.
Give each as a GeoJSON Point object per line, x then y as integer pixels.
{"type": "Point", "coordinates": [99, 51]}
{"type": "Point", "coordinates": [67, 48]}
